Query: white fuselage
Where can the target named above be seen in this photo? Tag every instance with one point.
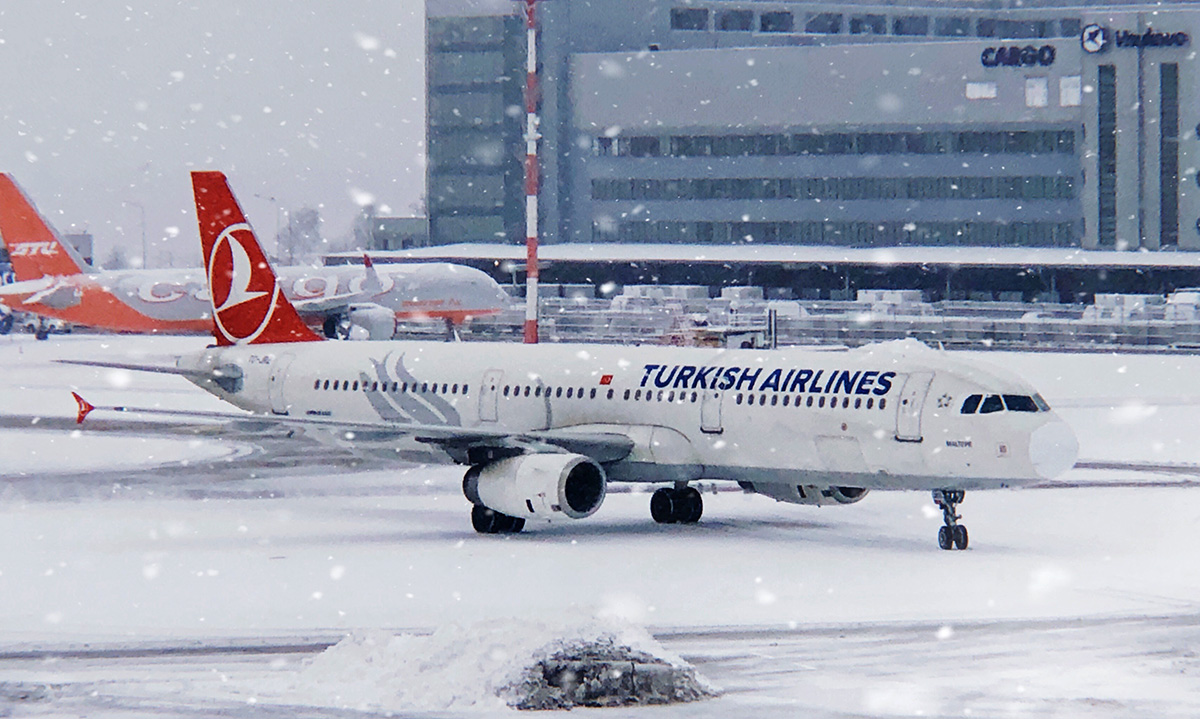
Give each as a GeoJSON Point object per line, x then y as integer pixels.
{"type": "Point", "coordinates": [880, 417]}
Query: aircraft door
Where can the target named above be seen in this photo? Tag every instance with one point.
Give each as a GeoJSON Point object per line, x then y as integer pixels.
{"type": "Point", "coordinates": [489, 395]}
{"type": "Point", "coordinates": [279, 367]}
{"type": "Point", "coordinates": [908, 411]}
{"type": "Point", "coordinates": [710, 412]}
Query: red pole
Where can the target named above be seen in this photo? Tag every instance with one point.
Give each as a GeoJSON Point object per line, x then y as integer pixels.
{"type": "Point", "coordinates": [531, 176]}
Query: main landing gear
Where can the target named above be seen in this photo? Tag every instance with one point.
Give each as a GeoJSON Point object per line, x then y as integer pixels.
{"type": "Point", "coordinates": [680, 504]}
{"type": "Point", "coordinates": [953, 535]}
{"type": "Point", "coordinates": [489, 521]}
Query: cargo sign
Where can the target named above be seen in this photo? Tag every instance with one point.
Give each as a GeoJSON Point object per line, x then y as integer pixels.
{"type": "Point", "coordinates": [1018, 56]}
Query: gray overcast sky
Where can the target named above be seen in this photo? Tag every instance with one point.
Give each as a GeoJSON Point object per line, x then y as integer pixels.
{"type": "Point", "coordinates": [312, 102]}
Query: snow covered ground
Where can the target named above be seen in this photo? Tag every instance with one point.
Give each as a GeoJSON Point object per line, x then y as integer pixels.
{"type": "Point", "coordinates": [152, 569]}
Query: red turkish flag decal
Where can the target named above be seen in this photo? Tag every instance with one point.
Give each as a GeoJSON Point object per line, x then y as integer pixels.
{"type": "Point", "coordinates": [606, 379]}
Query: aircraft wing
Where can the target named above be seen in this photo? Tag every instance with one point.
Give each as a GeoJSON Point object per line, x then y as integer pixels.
{"type": "Point", "coordinates": [372, 286]}
{"type": "Point", "coordinates": [600, 446]}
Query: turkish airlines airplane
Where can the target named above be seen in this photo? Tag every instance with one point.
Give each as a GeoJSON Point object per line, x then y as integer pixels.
{"type": "Point", "coordinates": [543, 429]}
{"type": "Point", "coordinates": [55, 282]}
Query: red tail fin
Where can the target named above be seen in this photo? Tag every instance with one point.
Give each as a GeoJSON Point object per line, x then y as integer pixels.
{"type": "Point", "coordinates": [247, 303]}
{"type": "Point", "coordinates": [34, 248]}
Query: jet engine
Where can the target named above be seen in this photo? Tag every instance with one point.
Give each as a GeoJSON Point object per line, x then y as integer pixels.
{"type": "Point", "coordinates": [361, 322]}
{"type": "Point", "coordinates": [545, 485]}
{"type": "Point", "coordinates": [805, 493]}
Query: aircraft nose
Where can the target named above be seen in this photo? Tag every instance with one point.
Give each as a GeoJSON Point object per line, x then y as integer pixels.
{"type": "Point", "coordinates": [1053, 449]}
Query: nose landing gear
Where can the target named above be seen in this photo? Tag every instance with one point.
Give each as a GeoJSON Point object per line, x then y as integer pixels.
{"type": "Point", "coordinates": [953, 535]}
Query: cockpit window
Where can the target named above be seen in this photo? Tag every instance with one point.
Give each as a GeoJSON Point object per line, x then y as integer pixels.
{"type": "Point", "coordinates": [1041, 403]}
{"type": "Point", "coordinates": [970, 404]}
{"type": "Point", "coordinates": [1020, 403]}
{"type": "Point", "coordinates": [991, 404]}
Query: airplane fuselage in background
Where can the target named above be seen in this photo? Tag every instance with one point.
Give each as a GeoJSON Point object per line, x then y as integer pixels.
{"type": "Point", "coordinates": [176, 300]}
{"type": "Point", "coordinates": [786, 421]}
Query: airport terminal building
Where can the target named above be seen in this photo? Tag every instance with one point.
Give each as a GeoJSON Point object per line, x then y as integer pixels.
{"type": "Point", "coordinates": [756, 122]}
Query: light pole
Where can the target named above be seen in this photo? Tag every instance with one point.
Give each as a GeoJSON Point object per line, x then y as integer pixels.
{"type": "Point", "coordinates": [279, 211]}
{"type": "Point", "coordinates": [142, 211]}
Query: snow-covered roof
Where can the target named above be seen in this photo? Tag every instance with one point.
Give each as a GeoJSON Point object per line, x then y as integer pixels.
{"type": "Point", "coordinates": [795, 254]}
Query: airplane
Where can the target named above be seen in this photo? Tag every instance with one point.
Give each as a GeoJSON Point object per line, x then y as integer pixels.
{"type": "Point", "coordinates": [544, 429]}
{"type": "Point", "coordinates": [54, 282]}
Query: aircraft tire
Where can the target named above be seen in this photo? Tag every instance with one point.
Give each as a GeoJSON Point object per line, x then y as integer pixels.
{"type": "Point", "coordinates": [42, 333]}
{"type": "Point", "coordinates": [691, 507]}
{"type": "Point", "coordinates": [960, 537]}
{"type": "Point", "coordinates": [663, 506]}
{"type": "Point", "coordinates": [6, 324]}
{"type": "Point", "coordinates": [945, 538]}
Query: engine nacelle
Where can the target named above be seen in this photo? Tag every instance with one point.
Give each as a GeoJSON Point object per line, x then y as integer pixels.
{"type": "Point", "coordinates": [544, 485]}
{"type": "Point", "coordinates": [805, 493]}
{"type": "Point", "coordinates": [362, 322]}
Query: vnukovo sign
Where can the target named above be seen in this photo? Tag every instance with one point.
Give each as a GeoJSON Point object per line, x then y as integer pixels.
{"type": "Point", "coordinates": [1096, 38]}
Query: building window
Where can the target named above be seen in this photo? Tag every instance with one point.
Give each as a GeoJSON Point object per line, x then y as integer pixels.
{"type": "Point", "coordinates": [735, 20]}
{"type": "Point", "coordinates": [1070, 91]}
{"type": "Point", "coordinates": [1106, 151]}
{"type": "Point", "coordinates": [1168, 153]}
{"type": "Point", "coordinates": [981, 91]}
{"type": "Point", "coordinates": [1037, 92]}
{"type": "Point", "coordinates": [689, 19]}
{"type": "Point", "coordinates": [952, 26]}
{"type": "Point", "coordinates": [777, 21]}
{"type": "Point", "coordinates": [826, 23]}
{"type": "Point", "coordinates": [912, 25]}
{"type": "Point", "coordinates": [1070, 27]}
{"type": "Point", "coordinates": [868, 25]}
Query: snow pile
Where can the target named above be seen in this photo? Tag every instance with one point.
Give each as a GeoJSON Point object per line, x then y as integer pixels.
{"type": "Point", "coordinates": [518, 663]}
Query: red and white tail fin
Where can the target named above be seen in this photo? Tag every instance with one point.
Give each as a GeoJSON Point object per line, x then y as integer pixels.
{"type": "Point", "coordinates": [33, 247]}
{"type": "Point", "coordinates": [248, 304]}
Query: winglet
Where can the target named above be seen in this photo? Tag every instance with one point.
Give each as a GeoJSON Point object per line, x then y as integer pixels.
{"type": "Point", "coordinates": [372, 285]}
{"type": "Point", "coordinates": [248, 304]}
{"type": "Point", "coordinates": [33, 247]}
{"type": "Point", "coordinates": [85, 408]}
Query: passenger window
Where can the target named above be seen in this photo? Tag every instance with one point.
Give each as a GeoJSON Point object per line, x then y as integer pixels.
{"type": "Point", "coordinates": [445, 388]}
{"type": "Point", "coordinates": [626, 395]}
{"type": "Point", "coordinates": [671, 397]}
{"type": "Point", "coordinates": [991, 404]}
{"type": "Point", "coordinates": [870, 402]}
{"type": "Point", "coordinates": [374, 386]}
{"type": "Point", "coordinates": [355, 386]}
{"type": "Point", "coordinates": [336, 383]}
{"type": "Point", "coordinates": [569, 391]}
{"type": "Point", "coordinates": [637, 395]}
{"type": "Point", "coordinates": [1019, 403]}
{"type": "Point", "coordinates": [970, 404]}
{"type": "Point", "coordinates": [786, 398]}
{"type": "Point", "coordinates": [505, 390]}
{"type": "Point", "coordinates": [464, 390]}
{"type": "Point", "coordinates": [882, 403]}
{"type": "Point", "coordinates": [774, 400]}
{"type": "Point", "coordinates": [317, 384]}
{"type": "Point", "coordinates": [558, 391]}
{"type": "Point", "coordinates": [694, 396]}
{"type": "Point", "coordinates": [808, 403]}
{"type": "Point", "coordinates": [592, 394]}
{"type": "Point", "coordinates": [738, 399]}
{"type": "Point", "coordinates": [610, 394]}
{"type": "Point", "coordinates": [820, 402]}
{"type": "Point", "coordinates": [424, 386]}
{"type": "Point", "coordinates": [857, 402]}
{"type": "Point", "coordinates": [433, 389]}
{"type": "Point", "coordinates": [845, 402]}
{"type": "Point", "coordinates": [404, 387]}
{"type": "Point", "coordinates": [579, 393]}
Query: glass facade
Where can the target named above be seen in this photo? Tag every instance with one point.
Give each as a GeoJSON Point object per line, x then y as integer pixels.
{"type": "Point", "coordinates": [475, 79]}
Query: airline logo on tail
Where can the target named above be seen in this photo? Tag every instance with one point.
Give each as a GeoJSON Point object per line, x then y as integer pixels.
{"type": "Point", "coordinates": [32, 249]}
{"type": "Point", "coordinates": [248, 304]}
